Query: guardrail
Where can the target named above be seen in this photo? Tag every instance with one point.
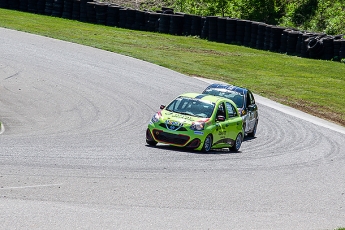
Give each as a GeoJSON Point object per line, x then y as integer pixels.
{"type": "Point", "coordinates": [219, 29]}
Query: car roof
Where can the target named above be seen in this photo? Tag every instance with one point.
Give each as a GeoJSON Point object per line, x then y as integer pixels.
{"type": "Point", "coordinates": [227, 87]}
{"type": "Point", "coordinates": [204, 97]}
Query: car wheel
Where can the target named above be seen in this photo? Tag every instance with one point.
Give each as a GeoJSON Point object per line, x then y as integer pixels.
{"type": "Point", "coordinates": [253, 133]}
{"type": "Point", "coordinates": [151, 143]}
{"type": "Point", "coordinates": [149, 139]}
{"type": "Point", "coordinates": [237, 144]}
{"type": "Point", "coordinates": [207, 144]}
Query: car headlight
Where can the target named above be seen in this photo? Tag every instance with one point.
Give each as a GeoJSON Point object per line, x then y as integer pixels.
{"type": "Point", "coordinates": [155, 118]}
{"type": "Point", "coordinates": [198, 125]}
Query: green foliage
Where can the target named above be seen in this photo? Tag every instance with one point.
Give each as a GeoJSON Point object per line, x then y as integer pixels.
{"type": "Point", "coordinates": [315, 15]}
{"type": "Point", "coordinates": [312, 15]}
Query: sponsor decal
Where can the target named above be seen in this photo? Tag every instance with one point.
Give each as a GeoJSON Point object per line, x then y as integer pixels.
{"type": "Point", "coordinates": [173, 125]}
{"type": "Point", "coordinates": [198, 133]}
{"type": "Point", "coordinates": [182, 116]}
{"type": "Point", "coordinates": [222, 133]}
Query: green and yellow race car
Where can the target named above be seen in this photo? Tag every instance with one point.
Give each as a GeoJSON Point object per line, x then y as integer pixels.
{"type": "Point", "coordinates": [197, 121]}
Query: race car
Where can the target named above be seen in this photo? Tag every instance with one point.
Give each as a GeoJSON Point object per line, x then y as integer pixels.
{"type": "Point", "coordinates": [199, 122]}
{"type": "Point", "coordinates": [244, 101]}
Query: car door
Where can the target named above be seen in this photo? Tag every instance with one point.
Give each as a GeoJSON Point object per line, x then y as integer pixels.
{"type": "Point", "coordinates": [251, 110]}
{"type": "Point", "coordinates": [233, 122]}
{"type": "Point", "coordinates": [220, 134]}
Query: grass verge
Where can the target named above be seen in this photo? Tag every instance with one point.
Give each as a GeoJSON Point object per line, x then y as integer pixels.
{"type": "Point", "coordinates": [314, 86]}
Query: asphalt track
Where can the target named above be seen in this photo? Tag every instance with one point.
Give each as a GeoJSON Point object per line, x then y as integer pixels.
{"type": "Point", "coordinates": [73, 153]}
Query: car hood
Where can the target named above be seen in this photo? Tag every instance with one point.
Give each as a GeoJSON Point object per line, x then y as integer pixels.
{"type": "Point", "coordinates": [178, 119]}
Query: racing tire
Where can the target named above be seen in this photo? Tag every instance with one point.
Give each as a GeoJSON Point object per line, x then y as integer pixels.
{"type": "Point", "coordinates": [149, 139]}
{"type": "Point", "coordinates": [253, 133]}
{"type": "Point", "coordinates": [237, 145]}
{"type": "Point", "coordinates": [151, 143]}
{"type": "Point", "coordinates": [207, 144]}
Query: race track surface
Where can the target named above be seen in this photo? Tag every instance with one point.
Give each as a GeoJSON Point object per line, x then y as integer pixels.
{"type": "Point", "coordinates": [73, 153]}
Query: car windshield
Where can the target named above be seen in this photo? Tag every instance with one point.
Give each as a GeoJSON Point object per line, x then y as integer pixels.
{"type": "Point", "coordinates": [191, 106]}
{"type": "Point", "coordinates": [236, 97]}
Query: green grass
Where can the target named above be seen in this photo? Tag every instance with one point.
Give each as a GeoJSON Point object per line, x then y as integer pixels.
{"type": "Point", "coordinates": [314, 86]}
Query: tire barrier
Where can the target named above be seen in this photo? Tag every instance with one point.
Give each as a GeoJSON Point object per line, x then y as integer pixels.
{"type": "Point", "coordinates": [164, 23]}
{"type": "Point", "coordinates": [13, 4]}
{"type": "Point", "coordinates": [336, 49]}
{"type": "Point", "coordinates": [3, 4]}
{"type": "Point", "coordinates": [187, 24]}
{"type": "Point", "coordinates": [152, 23]}
{"type": "Point", "coordinates": [254, 34]}
{"type": "Point", "coordinates": [139, 22]}
{"type": "Point", "coordinates": [57, 8]}
{"type": "Point", "coordinates": [267, 37]}
{"type": "Point", "coordinates": [276, 32]}
{"type": "Point", "coordinates": [67, 9]}
{"type": "Point", "coordinates": [342, 49]}
{"type": "Point", "coordinates": [91, 12]}
{"type": "Point", "coordinates": [291, 43]}
{"type": "Point", "coordinates": [196, 25]}
{"type": "Point", "coordinates": [240, 29]}
{"type": "Point", "coordinates": [113, 15]}
{"type": "Point", "coordinates": [176, 24]}
{"type": "Point", "coordinates": [221, 30]}
{"type": "Point", "coordinates": [101, 13]}
{"type": "Point", "coordinates": [23, 5]}
{"type": "Point", "coordinates": [328, 47]}
{"type": "Point", "coordinates": [247, 33]}
{"type": "Point", "coordinates": [315, 47]}
{"type": "Point", "coordinates": [260, 38]}
{"type": "Point", "coordinates": [32, 6]}
{"type": "Point", "coordinates": [213, 28]}
{"type": "Point", "coordinates": [205, 28]}
{"type": "Point", "coordinates": [230, 30]}
{"type": "Point", "coordinates": [49, 7]}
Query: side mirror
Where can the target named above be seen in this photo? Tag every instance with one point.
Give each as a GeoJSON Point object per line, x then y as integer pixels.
{"type": "Point", "coordinates": [162, 107]}
{"type": "Point", "coordinates": [220, 118]}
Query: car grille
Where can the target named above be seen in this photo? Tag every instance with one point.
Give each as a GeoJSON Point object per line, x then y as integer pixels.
{"type": "Point", "coordinates": [163, 125]}
{"type": "Point", "coordinates": [170, 138]}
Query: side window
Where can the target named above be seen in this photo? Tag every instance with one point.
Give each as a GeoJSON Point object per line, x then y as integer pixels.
{"type": "Point", "coordinates": [221, 110]}
{"type": "Point", "coordinates": [251, 98]}
{"type": "Point", "coordinates": [231, 110]}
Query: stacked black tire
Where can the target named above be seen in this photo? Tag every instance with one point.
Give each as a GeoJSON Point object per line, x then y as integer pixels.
{"type": "Point", "coordinates": [164, 23]}
{"type": "Point", "coordinates": [139, 22]}
{"type": "Point", "coordinates": [113, 15]}
{"type": "Point", "coordinates": [342, 50]}
{"type": "Point", "coordinates": [176, 24]}
{"type": "Point", "coordinates": [3, 4]}
{"type": "Point", "coordinates": [231, 30]}
{"type": "Point", "coordinates": [57, 8]}
{"type": "Point", "coordinates": [67, 9]}
{"type": "Point", "coordinates": [240, 31]}
{"type": "Point", "coordinates": [212, 28]}
{"type": "Point", "coordinates": [221, 30]}
{"type": "Point", "coordinates": [13, 4]}
{"type": "Point", "coordinates": [152, 23]}
{"type": "Point", "coordinates": [260, 39]}
{"type": "Point", "coordinates": [196, 25]}
{"type": "Point", "coordinates": [76, 10]}
{"type": "Point", "coordinates": [101, 13]}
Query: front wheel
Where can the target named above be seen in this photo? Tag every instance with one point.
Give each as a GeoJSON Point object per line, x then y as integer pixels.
{"type": "Point", "coordinates": [149, 139]}
{"type": "Point", "coordinates": [207, 144]}
{"type": "Point", "coordinates": [237, 144]}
